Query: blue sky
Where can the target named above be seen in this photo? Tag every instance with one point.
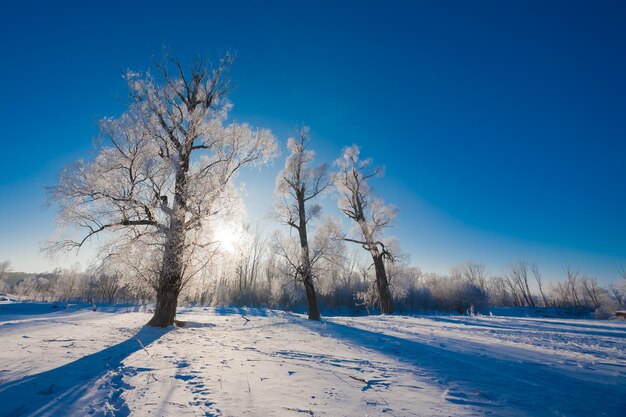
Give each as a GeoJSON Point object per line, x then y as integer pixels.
{"type": "Point", "coordinates": [502, 126]}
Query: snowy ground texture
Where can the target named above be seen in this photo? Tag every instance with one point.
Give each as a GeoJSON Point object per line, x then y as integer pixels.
{"type": "Point", "coordinates": [76, 362]}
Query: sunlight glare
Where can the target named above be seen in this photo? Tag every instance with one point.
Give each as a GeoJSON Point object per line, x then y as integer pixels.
{"type": "Point", "coordinates": [227, 236]}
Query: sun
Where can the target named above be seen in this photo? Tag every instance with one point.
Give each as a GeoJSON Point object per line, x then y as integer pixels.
{"type": "Point", "coordinates": [227, 237]}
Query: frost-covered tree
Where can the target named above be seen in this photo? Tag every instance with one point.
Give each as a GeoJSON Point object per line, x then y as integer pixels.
{"type": "Point", "coordinates": [534, 268]}
{"type": "Point", "coordinates": [245, 266]}
{"type": "Point", "coordinates": [107, 286]}
{"type": "Point", "coordinates": [499, 292]}
{"type": "Point", "coordinates": [328, 247]}
{"type": "Point", "coordinates": [474, 273]}
{"type": "Point", "coordinates": [285, 260]}
{"type": "Point", "coordinates": [5, 266]}
{"type": "Point", "coordinates": [326, 255]}
{"type": "Point", "coordinates": [517, 275]}
{"type": "Point", "coordinates": [618, 290]}
{"type": "Point", "coordinates": [592, 291]}
{"type": "Point", "coordinates": [572, 277]}
{"type": "Point", "coordinates": [371, 215]}
{"type": "Point", "coordinates": [161, 175]}
{"type": "Point", "coordinates": [296, 187]}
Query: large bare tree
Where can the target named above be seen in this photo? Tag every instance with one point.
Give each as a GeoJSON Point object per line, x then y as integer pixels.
{"type": "Point", "coordinates": [370, 214]}
{"type": "Point", "coordinates": [296, 186]}
{"type": "Point", "coordinates": [161, 174]}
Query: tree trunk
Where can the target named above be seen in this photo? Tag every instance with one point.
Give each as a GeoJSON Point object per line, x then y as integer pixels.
{"type": "Point", "coordinates": [171, 277]}
{"type": "Point", "coordinates": [165, 312]}
{"type": "Point", "coordinates": [384, 294]}
{"type": "Point", "coordinates": [311, 297]}
{"type": "Point", "coordinates": [530, 296]}
{"type": "Point", "coordinates": [170, 283]}
{"type": "Point", "coordinates": [305, 260]}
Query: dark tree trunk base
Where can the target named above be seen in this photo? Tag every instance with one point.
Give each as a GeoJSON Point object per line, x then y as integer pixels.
{"type": "Point", "coordinates": [382, 284]}
{"type": "Point", "coordinates": [314, 311]}
{"type": "Point", "coordinates": [165, 311]}
{"type": "Point", "coordinates": [314, 315]}
{"type": "Point", "coordinates": [159, 322]}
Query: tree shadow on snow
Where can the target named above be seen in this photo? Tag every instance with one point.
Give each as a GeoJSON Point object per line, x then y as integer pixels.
{"type": "Point", "coordinates": [246, 311]}
{"type": "Point", "coordinates": [534, 325]}
{"type": "Point", "coordinates": [485, 381]}
{"type": "Point", "coordinates": [63, 390]}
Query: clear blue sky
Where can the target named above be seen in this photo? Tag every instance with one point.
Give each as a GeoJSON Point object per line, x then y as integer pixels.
{"type": "Point", "coordinates": [502, 125]}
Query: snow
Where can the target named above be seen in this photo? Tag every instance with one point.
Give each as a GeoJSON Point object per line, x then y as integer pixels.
{"type": "Point", "coordinates": [7, 298]}
{"type": "Point", "coordinates": [77, 362]}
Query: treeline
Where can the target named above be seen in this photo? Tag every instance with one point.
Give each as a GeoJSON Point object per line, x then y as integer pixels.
{"type": "Point", "coordinates": [71, 285]}
{"type": "Point", "coordinates": [258, 276]}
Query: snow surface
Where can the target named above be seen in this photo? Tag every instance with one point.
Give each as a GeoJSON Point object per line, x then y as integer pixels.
{"type": "Point", "coordinates": [7, 298]}
{"type": "Point", "coordinates": [77, 362]}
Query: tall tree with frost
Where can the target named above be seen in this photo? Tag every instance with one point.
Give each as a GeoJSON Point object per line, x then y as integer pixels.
{"type": "Point", "coordinates": [369, 213]}
{"type": "Point", "coordinates": [296, 186]}
{"type": "Point", "coordinates": [163, 175]}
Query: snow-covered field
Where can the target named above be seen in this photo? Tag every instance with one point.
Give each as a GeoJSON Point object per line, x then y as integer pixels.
{"type": "Point", "coordinates": [76, 362]}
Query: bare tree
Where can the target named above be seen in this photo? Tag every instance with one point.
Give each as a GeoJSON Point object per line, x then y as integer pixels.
{"type": "Point", "coordinates": [5, 266]}
{"type": "Point", "coordinates": [287, 264]}
{"type": "Point", "coordinates": [572, 282]}
{"type": "Point", "coordinates": [473, 272]}
{"type": "Point", "coordinates": [534, 268]}
{"type": "Point", "coordinates": [249, 255]}
{"type": "Point", "coordinates": [368, 212]}
{"type": "Point", "coordinates": [333, 269]}
{"type": "Point", "coordinates": [107, 286]}
{"type": "Point", "coordinates": [518, 275]}
{"type": "Point", "coordinates": [296, 186]}
{"type": "Point", "coordinates": [592, 290]}
{"type": "Point", "coordinates": [619, 289]}
{"type": "Point", "coordinates": [325, 251]}
{"type": "Point", "coordinates": [619, 294]}
{"type": "Point", "coordinates": [513, 290]}
{"type": "Point", "coordinates": [561, 295]}
{"type": "Point", "coordinates": [499, 292]}
{"type": "Point", "coordinates": [162, 179]}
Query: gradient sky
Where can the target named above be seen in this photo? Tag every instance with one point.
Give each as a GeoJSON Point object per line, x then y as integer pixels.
{"type": "Point", "coordinates": [502, 126]}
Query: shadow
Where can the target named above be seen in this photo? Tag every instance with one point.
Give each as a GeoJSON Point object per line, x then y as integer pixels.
{"type": "Point", "coordinates": [195, 325]}
{"type": "Point", "coordinates": [43, 311]}
{"type": "Point", "coordinates": [552, 326]}
{"type": "Point", "coordinates": [601, 324]}
{"type": "Point", "coordinates": [486, 381]}
{"type": "Point", "coordinates": [32, 307]}
{"type": "Point", "coordinates": [246, 311]}
{"type": "Point", "coordinates": [58, 391]}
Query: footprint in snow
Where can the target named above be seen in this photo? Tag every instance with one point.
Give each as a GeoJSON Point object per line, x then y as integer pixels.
{"type": "Point", "coordinates": [196, 385]}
